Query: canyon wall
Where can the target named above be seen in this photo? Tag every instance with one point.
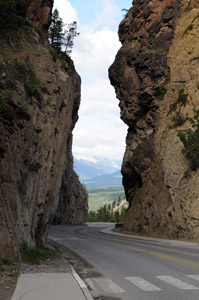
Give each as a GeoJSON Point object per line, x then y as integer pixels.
{"type": "Point", "coordinates": [39, 101]}
{"type": "Point", "coordinates": [156, 69]}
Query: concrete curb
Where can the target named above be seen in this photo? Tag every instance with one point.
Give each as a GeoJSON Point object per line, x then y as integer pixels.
{"type": "Point", "coordinates": [82, 285]}
{"type": "Point", "coordinates": [163, 241]}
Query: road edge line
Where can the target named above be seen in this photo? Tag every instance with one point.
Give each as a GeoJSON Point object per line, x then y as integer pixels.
{"type": "Point", "coordinates": [177, 243]}
{"type": "Point", "coordinates": [82, 284]}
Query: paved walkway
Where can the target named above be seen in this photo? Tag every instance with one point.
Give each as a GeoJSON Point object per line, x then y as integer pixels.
{"type": "Point", "coordinates": [41, 285]}
{"type": "Point", "coordinates": [51, 286]}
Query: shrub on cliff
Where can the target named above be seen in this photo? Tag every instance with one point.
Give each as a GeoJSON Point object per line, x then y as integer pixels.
{"type": "Point", "coordinates": [13, 15]}
{"type": "Point", "coordinates": [190, 139]}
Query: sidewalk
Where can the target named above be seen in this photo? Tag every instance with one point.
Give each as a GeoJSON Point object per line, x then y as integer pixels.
{"type": "Point", "coordinates": [60, 281]}
{"type": "Point", "coordinates": [50, 283]}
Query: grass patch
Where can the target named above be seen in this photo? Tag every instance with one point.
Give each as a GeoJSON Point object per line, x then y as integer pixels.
{"type": "Point", "coordinates": [7, 261]}
{"type": "Point", "coordinates": [178, 120]}
{"type": "Point", "coordinates": [32, 83]}
{"type": "Point", "coordinates": [59, 57]}
{"type": "Point", "coordinates": [3, 180]}
{"type": "Point", "coordinates": [181, 101]}
{"type": "Point", "coordinates": [161, 90]}
{"type": "Point", "coordinates": [189, 27]}
{"type": "Point", "coordinates": [33, 255]}
{"type": "Point", "coordinates": [4, 97]}
{"type": "Point", "coordinates": [190, 139]}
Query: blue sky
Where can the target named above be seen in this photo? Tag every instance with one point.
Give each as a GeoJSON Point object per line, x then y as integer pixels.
{"type": "Point", "coordinates": [99, 131]}
{"type": "Point", "coordinates": [89, 9]}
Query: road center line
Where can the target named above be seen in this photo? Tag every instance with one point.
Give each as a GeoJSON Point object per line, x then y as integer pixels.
{"type": "Point", "coordinates": [156, 254]}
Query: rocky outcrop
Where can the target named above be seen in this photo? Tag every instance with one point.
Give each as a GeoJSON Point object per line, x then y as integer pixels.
{"type": "Point", "coordinates": [39, 12]}
{"type": "Point", "coordinates": [73, 197]}
{"type": "Point", "coordinates": [157, 60]}
{"type": "Point", "coordinates": [39, 101]}
{"type": "Point", "coordinates": [74, 210]}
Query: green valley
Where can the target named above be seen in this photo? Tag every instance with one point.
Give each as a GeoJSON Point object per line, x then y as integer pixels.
{"type": "Point", "coordinates": [99, 196]}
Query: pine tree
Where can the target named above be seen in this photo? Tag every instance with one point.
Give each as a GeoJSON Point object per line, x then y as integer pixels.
{"type": "Point", "coordinates": [70, 34]}
{"type": "Point", "coordinates": [56, 34]}
{"type": "Point", "coordinates": [58, 37]}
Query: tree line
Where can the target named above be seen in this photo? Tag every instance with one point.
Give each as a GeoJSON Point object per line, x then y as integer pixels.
{"type": "Point", "coordinates": [107, 213]}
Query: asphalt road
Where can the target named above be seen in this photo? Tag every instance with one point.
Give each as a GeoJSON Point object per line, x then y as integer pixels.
{"type": "Point", "coordinates": [133, 269]}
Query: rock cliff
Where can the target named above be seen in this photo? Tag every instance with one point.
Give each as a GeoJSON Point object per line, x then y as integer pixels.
{"type": "Point", "coordinates": [39, 101]}
{"type": "Point", "coordinates": [155, 75]}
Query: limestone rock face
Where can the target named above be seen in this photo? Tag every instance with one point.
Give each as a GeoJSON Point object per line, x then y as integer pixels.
{"type": "Point", "coordinates": [40, 13]}
{"type": "Point", "coordinates": [39, 101]}
{"type": "Point", "coordinates": [158, 58]}
{"type": "Point", "coordinates": [74, 210]}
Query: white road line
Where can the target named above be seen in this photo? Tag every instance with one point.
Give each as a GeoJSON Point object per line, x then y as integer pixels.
{"type": "Point", "coordinates": [196, 277]}
{"type": "Point", "coordinates": [143, 284]}
{"type": "Point", "coordinates": [177, 283]}
{"type": "Point", "coordinates": [60, 239]}
{"type": "Point", "coordinates": [76, 276]}
{"type": "Point", "coordinates": [105, 285]}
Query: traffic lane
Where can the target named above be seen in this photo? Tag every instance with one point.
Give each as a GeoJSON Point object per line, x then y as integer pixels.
{"type": "Point", "coordinates": [119, 263]}
{"type": "Point", "coordinates": [77, 232]}
{"type": "Point", "coordinates": [155, 248]}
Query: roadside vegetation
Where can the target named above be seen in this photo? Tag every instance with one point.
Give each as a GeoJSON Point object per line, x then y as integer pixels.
{"type": "Point", "coordinates": [107, 212]}
{"type": "Point", "coordinates": [34, 255]}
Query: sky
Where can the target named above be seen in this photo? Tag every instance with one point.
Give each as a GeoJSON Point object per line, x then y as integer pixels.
{"type": "Point", "coordinates": [99, 132]}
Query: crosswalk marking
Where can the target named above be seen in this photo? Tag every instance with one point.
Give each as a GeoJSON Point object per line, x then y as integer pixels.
{"type": "Point", "coordinates": [177, 283]}
{"type": "Point", "coordinates": [104, 284]}
{"type": "Point", "coordinates": [143, 284]}
{"type": "Point", "coordinates": [196, 277]}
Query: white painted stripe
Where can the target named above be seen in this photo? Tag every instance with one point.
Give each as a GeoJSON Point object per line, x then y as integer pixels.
{"type": "Point", "coordinates": [80, 281]}
{"type": "Point", "coordinates": [177, 283]}
{"type": "Point", "coordinates": [60, 239]}
{"type": "Point", "coordinates": [143, 284]}
{"type": "Point", "coordinates": [196, 277]}
{"type": "Point", "coordinates": [106, 285]}
{"type": "Point", "coordinates": [56, 239]}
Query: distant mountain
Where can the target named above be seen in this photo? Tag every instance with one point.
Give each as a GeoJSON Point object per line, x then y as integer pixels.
{"type": "Point", "coordinates": [114, 179]}
{"type": "Point", "coordinates": [87, 167]}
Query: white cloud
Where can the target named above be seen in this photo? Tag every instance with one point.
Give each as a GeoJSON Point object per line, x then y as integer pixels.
{"type": "Point", "coordinates": [106, 18]}
{"type": "Point", "coordinates": [95, 51]}
{"type": "Point", "coordinates": [105, 140]}
{"type": "Point", "coordinates": [66, 11]}
{"type": "Point", "coordinates": [99, 131]}
{"type": "Point", "coordinates": [98, 96]}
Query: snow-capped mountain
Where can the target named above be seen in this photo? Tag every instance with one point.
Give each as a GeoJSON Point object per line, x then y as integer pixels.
{"type": "Point", "coordinates": [89, 167]}
{"type": "Point", "coordinates": [113, 179]}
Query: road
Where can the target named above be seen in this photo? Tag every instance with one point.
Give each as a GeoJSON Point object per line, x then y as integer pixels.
{"type": "Point", "coordinates": [132, 269]}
